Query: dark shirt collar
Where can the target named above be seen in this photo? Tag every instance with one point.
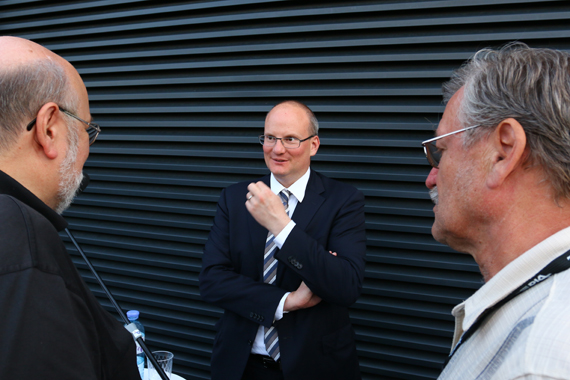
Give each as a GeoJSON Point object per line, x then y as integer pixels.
{"type": "Point", "coordinates": [10, 186]}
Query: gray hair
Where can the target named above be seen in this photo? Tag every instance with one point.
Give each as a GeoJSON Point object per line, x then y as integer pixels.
{"type": "Point", "coordinates": [313, 122]}
{"type": "Point", "coordinates": [529, 85]}
{"type": "Point", "coordinates": [24, 90]}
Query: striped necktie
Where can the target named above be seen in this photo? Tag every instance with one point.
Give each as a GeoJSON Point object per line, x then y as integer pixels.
{"type": "Point", "coordinates": [269, 276]}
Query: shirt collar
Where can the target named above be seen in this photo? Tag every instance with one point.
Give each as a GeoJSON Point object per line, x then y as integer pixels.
{"type": "Point", "coordinates": [513, 275]}
{"type": "Point", "coordinates": [297, 189]}
{"type": "Point", "coordinates": [10, 186]}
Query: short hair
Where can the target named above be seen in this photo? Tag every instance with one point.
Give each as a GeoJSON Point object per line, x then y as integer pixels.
{"type": "Point", "coordinates": [313, 122]}
{"type": "Point", "coordinates": [529, 85]}
{"type": "Point", "coordinates": [24, 89]}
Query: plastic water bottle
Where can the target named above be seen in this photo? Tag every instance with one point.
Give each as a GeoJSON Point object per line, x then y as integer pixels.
{"type": "Point", "coordinates": [133, 316]}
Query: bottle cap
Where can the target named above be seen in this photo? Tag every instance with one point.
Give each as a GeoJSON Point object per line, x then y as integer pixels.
{"type": "Point", "coordinates": [133, 315]}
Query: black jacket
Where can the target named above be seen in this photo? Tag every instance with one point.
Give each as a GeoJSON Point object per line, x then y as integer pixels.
{"type": "Point", "coordinates": [51, 325]}
{"type": "Point", "coordinates": [316, 343]}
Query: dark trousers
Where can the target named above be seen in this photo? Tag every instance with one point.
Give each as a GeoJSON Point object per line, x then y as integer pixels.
{"type": "Point", "coordinates": [256, 370]}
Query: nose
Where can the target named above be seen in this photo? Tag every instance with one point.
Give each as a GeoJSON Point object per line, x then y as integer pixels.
{"type": "Point", "coordinates": [279, 147]}
{"type": "Point", "coordinates": [431, 180]}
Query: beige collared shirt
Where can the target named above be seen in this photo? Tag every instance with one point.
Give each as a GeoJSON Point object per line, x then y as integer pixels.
{"type": "Point", "coordinates": [528, 337]}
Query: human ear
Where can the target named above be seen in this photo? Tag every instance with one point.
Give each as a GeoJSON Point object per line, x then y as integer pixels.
{"type": "Point", "coordinates": [48, 130]}
{"type": "Point", "coordinates": [508, 144]}
{"type": "Point", "coordinates": [315, 143]}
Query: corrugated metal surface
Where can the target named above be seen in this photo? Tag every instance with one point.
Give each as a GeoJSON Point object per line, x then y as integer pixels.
{"type": "Point", "coordinates": [181, 90]}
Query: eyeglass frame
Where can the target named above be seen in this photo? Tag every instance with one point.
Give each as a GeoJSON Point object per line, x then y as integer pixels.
{"type": "Point", "coordinates": [262, 138]}
{"type": "Point", "coordinates": [92, 126]}
{"type": "Point", "coordinates": [433, 161]}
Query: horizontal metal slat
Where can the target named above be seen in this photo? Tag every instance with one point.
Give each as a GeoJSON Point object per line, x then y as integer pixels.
{"type": "Point", "coordinates": [430, 276]}
{"type": "Point", "coordinates": [263, 93]}
{"type": "Point", "coordinates": [250, 30]}
{"type": "Point", "coordinates": [399, 371]}
{"type": "Point", "coordinates": [89, 5]}
{"type": "Point", "coordinates": [122, 80]}
{"type": "Point", "coordinates": [421, 291]}
{"type": "Point", "coordinates": [404, 340]}
{"type": "Point", "coordinates": [522, 34]}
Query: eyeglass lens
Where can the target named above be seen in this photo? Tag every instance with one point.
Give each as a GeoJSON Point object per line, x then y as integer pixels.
{"type": "Point", "coordinates": [432, 153]}
{"type": "Point", "coordinates": [93, 133]}
{"type": "Point", "coordinates": [288, 142]}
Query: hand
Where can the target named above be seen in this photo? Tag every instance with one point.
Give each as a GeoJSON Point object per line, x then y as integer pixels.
{"type": "Point", "coordinates": [266, 207]}
{"type": "Point", "coordinates": [302, 298]}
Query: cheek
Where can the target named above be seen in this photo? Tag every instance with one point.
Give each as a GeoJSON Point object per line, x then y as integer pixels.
{"type": "Point", "coordinates": [266, 155]}
{"type": "Point", "coordinates": [83, 153]}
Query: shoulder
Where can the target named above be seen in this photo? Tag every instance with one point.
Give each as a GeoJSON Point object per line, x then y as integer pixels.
{"type": "Point", "coordinates": [15, 235]}
{"type": "Point", "coordinates": [15, 214]}
{"type": "Point", "coordinates": [21, 228]}
{"type": "Point", "coordinates": [10, 207]}
{"type": "Point", "coordinates": [547, 349]}
{"type": "Point", "coordinates": [333, 186]}
{"type": "Point", "coordinates": [240, 188]}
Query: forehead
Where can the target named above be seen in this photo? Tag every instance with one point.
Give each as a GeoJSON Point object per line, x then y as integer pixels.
{"type": "Point", "coordinates": [287, 120]}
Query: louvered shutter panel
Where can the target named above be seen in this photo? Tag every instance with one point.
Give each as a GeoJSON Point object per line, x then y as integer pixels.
{"type": "Point", "coordinates": [181, 89]}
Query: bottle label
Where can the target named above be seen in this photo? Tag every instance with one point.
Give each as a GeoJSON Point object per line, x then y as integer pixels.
{"type": "Point", "coordinates": [139, 348]}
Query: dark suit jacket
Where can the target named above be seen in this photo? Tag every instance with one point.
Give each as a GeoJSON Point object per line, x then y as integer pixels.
{"type": "Point", "coordinates": [315, 343]}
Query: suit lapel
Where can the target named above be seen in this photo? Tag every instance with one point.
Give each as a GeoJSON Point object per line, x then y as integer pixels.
{"type": "Point", "coordinates": [258, 235]}
{"type": "Point", "coordinates": [306, 210]}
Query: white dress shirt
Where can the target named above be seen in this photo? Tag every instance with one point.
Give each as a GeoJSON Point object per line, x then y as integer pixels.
{"type": "Point", "coordinates": [529, 336]}
{"type": "Point", "coordinates": [297, 191]}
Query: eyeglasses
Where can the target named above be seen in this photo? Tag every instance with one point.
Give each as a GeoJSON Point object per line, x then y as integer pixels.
{"type": "Point", "coordinates": [93, 129]}
{"type": "Point", "coordinates": [433, 154]}
{"type": "Point", "coordinates": [288, 142]}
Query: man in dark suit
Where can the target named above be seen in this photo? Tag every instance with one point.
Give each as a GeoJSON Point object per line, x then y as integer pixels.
{"type": "Point", "coordinates": [285, 259]}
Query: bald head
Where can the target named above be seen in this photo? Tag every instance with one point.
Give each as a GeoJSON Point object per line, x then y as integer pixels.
{"type": "Point", "coordinates": [42, 147]}
{"type": "Point", "coordinates": [30, 76]}
{"type": "Point", "coordinates": [313, 123]}
{"type": "Point", "coordinates": [18, 51]}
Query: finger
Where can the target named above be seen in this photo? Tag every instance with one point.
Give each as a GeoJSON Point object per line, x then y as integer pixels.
{"type": "Point", "coordinates": [252, 188]}
{"type": "Point", "coordinates": [333, 253]}
{"type": "Point", "coordinates": [258, 189]}
{"type": "Point", "coordinates": [262, 186]}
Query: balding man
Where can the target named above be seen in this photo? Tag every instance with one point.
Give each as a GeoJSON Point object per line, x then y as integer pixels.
{"type": "Point", "coordinates": [267, 263]}
{"type": "Point", "coordinates": [501, 186]}
{"type": "Point", "coordinates": [51, 325]}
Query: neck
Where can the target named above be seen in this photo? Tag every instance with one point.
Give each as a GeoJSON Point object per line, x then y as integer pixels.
{"type": "Point", "coordinates": [288, 182]}
{"type": "Point", "coordinates": [518, 230]}
{"type": "Point", "coordinates": [33, 176]}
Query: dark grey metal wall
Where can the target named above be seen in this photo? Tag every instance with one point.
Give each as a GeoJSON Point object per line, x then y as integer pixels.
{"type": "Point", "coordinates": [181, 89]}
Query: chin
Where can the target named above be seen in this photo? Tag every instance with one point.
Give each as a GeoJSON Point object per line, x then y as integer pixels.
{"type": "Point", "coordinates": [437, 234]}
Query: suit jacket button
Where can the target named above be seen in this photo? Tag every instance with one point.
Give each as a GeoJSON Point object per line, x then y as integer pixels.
{"type": "Point", "coordinates": [299, 266]}
{"type": "Point", "coordinates": [252, 315]}
{"type": "Point", "coordinates": [250, 342]}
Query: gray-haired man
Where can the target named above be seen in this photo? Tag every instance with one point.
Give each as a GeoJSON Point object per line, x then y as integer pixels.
{"type": "Point", "coordinates": [501, 186]}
